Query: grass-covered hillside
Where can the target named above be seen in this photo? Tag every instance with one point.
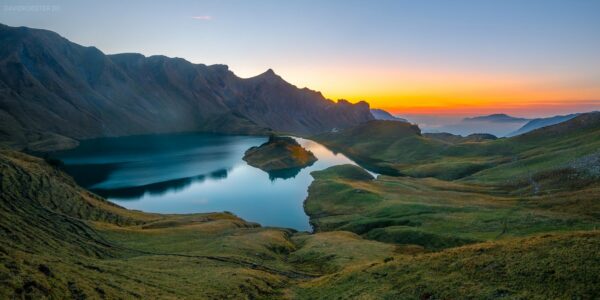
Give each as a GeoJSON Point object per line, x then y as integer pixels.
{"type": "Point", "coordinates": [520, 228]}
{"type": "Point", "coordinates": [60, 241]}
{"type": "Point", "coordinates": [434, 214]}
{"type": "Point", "coordinates": [544, 181]}
{"type": "Point", "coordinates": [550, 266]}
{"type": "Point", "coordinates": [478, 218]}
{"type": "Point", "coordinates": [397, 148]}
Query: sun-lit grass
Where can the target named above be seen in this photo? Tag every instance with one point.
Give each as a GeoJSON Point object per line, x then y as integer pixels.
{"type": "Point", "coordinates": [552, 266]}
{"type": "Point", "coordinates": [511, 218]}
{"type": "Point", "coordinates": [428, 212]}
{"type": "Point", "coordinates": [397, 146]}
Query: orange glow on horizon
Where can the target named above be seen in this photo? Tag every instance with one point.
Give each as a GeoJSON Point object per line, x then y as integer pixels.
{"type": "Point", "coordinates": [524, 109]}
{"type": "Point", "coordinates": [418, 90]}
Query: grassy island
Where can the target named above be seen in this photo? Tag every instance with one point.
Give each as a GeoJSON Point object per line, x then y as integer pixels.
{"type": "Point", "coordinates": [279, 153]}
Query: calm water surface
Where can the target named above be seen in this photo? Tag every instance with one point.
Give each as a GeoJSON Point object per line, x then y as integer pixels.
{"type": "Point", "coordinates": [190, 173]}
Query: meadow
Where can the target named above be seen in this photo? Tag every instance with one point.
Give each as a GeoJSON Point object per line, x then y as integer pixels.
{"type": "Point", "coordinates": [521, 226]}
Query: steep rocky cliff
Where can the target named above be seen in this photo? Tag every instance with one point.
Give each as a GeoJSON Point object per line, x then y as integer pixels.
{"type": "Point", "coordinates": [53, 91]}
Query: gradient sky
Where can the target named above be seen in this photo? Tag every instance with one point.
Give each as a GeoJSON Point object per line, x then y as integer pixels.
{"type": "Point", "coordinates": [411, 57]}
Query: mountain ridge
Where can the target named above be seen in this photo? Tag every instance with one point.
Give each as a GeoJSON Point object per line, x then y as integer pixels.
{"type": "Point", "coordinates": [51, 87]}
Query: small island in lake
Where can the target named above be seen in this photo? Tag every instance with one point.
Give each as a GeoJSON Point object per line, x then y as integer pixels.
{"type": "Point", "coordinates": [278, 154]}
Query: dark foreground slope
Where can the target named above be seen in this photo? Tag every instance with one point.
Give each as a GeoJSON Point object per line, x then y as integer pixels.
{"type": "Point", "coordinates": [53, 91]}
{"type": "Point", "coordinates": [59, 241]}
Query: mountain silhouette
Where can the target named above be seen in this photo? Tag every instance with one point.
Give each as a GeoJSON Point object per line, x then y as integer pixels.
{"type": "Point", "coordinates": [53, 91]}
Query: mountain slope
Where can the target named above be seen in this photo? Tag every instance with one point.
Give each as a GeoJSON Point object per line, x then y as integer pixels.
{"type": "Point", "coordinates": [52, 91]}
{"type": "Point", "coordinates": [395, 148]}
{"type": "Point", "coordinates": [58, 241]}
{"type": "Point", "coordinates": [543, 183]}
{"type": "Point", "coordinates": [454, 138]}
{"type": "Point", "coordinates": [436, 214]}
{"type": "Point", "coordinates": [551, 266]}
{"type": "Point", "coordinates": [542, 122]}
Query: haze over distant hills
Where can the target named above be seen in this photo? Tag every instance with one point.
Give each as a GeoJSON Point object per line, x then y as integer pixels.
{"type": "Point", "coordinates": [380, 114]}
{"type": "Point", "coordinates": [500, 125]}
{"type": "Point", "coordinates": [542, 122]}
{"type": "Point", "coordinates": [53, 91]}
{"type": "Point", "coordinates": [496, 124]}
{"type": "Point", "coordinates": [498, 118]}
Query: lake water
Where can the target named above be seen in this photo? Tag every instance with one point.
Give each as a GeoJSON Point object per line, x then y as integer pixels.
{"type": "Point", "coordinates": [190, 173]}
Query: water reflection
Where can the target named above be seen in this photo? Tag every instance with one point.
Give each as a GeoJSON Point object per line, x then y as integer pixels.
{"type": "Point", "coordinates": [158, 188]}
{"type": "Point", "coordinates": [187, 173]}
{"type": "Point", "coordinates": [284, 174]}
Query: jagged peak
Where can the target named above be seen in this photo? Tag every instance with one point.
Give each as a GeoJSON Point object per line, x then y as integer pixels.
{"type": "Point", "coordinates": [348, 103]}
{"type": "Point", "coordinates": [268, 76]}
{"type": "Point", "coordinates": [269, 72]}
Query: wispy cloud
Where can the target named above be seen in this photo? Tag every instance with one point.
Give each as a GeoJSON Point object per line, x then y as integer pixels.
{"type": "Point", "coordinates": [202, 18]}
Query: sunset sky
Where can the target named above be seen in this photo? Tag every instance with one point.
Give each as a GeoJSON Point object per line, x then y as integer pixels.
{"type": "Point", "coordinates": [527, 58]}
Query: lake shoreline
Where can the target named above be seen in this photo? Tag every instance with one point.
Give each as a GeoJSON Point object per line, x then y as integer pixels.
{"type": "Point", "coordinates": [205, 168]}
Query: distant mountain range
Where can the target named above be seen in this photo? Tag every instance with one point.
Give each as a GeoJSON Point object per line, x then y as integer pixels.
{"type": "Point", "coordinates": [542, 122]}
{"type": "Point", "coordinates": [380, 114]}
{"type": "Point", "coordinates": [496, 118]}
{"type": "Point", "coordinates": [53, 91]}
{"type": "Point", "coordinates": [496, 124]}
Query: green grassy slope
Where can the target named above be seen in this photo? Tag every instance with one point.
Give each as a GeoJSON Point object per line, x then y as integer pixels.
{"type": "Point", "coordinates": [59, 241]}
{"type": "Point", "coordinates": [547, 179]}
{"type": "Point", "coordinates": [553, 266]}
{"type": "Point", "coordinates": [520, 223]}
{"type": "Point", "coordinates": [457, 139]}
{"type": "Point", "coordinates": [437, 214]}
{"type": "Point", "coordinates": [524, 228]}
{"type": "Point", "coordinates": [399, 148]}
